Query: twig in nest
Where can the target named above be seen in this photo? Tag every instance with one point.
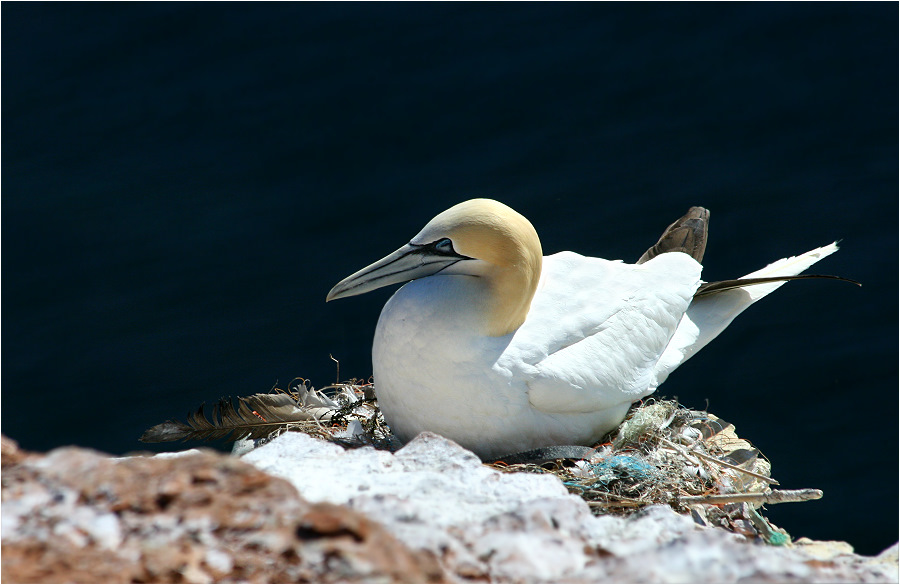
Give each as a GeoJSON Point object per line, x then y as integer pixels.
{"type": "Point", "coordinates": [621, 502]}
{"type": "Point", "coordinates": [773, 497]}
{"type": "Point", "coordinates": [717, 461]}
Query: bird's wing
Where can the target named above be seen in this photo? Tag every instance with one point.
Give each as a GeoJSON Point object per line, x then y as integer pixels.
{"type": "Point", "coordinates": [596, 329]}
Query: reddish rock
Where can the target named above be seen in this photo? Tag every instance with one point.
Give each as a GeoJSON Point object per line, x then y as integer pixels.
{"type": "Point", "coordinates": [78, 516]}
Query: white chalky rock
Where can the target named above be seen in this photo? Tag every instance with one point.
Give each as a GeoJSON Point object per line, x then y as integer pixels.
{"type": "Point", "coordinates": [522, 527]}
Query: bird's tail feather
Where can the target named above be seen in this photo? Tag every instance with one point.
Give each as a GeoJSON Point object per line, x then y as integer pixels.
{"type": "Point", "coordinates": [711, 288]}
{"type": "Point", "coordinates": [712, 310]}
{"type": "Point", "coordinates": [686, 234]}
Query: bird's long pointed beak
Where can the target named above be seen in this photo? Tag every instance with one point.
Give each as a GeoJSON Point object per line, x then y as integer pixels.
{"type": "Point", "coordinates": [408, 263]}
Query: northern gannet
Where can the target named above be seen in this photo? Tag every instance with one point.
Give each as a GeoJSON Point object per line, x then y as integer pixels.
{"type": "Point", "coordinates": [504, 350]}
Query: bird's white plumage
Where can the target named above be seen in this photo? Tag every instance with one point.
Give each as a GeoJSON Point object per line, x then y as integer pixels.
{"type": "Point", "coordinates": [582, 352]}
{"type": "Point", "coordinates": [594, 346]}
{"type": "Point", "coordinates": [596, 336]}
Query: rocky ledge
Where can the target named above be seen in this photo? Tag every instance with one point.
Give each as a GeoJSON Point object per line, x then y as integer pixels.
{"type": "Point", "coordinates": [302, 509]}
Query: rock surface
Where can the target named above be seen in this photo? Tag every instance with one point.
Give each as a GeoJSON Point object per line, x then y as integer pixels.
{"type": "Point", "coordinates": [78, 516]}
{"type": "Point", "coordinates": [486, 525]}
{"type": "Point", "coordinates": [430, 512]}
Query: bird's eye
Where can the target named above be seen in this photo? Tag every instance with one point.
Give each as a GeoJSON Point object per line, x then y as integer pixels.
{"type": "Point", "coordinates": [444, 246]}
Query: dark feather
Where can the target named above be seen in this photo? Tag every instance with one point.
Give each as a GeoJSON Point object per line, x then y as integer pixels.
{"type": "Point", "coordinates": [709, 288]}
{"type": "Point", "coordinates": [254, 417]}
{"type": "Point", "coordinates": [686, 234]}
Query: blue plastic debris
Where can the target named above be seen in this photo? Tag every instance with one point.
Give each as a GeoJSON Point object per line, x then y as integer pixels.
{"type": "Point", "coordinates": [623, 467]}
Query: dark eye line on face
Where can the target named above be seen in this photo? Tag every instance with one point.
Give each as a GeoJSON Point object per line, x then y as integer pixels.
{"type": "Point", "coordinates": [441, 247]}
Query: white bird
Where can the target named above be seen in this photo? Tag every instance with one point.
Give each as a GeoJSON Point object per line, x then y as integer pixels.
{"type": "Point", "coordinates": [503, 350]}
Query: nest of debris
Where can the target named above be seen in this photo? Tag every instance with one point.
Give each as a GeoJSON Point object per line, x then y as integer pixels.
{"type": "Point", "coordinates": [693, 461]}
{"type": "Point", "coordinates": [662, 453]}
{"type": "Point", "coordinates": [345, 413]}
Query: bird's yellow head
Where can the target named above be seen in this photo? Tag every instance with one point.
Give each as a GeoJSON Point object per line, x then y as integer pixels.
{"type": "Point", "coordinates": [486, 230]}
{"type": "Point", "coordinates": [480, 238]}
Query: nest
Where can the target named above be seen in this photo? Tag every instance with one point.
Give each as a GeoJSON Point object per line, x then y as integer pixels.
{"type": "Point", "coordinates": [346, 413]}
{"type": "Point", "coordinates": [692, 461]}
{"type": "Point", "coordinates": [662, 453]}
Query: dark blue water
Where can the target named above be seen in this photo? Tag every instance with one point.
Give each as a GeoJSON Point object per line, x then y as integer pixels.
{"type": "Point", "coordinates": [182, 184]}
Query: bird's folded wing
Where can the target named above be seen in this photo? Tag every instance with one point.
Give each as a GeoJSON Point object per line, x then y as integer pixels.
{"type": "Point", "coordinates": [596, 329]}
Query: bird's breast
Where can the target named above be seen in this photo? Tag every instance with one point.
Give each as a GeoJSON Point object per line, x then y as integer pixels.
{"type": "Point", "coordinates": [433, 368]}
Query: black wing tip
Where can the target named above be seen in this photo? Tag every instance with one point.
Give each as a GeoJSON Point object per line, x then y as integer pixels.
{"type": "Point", "coordinates": [709, 288]}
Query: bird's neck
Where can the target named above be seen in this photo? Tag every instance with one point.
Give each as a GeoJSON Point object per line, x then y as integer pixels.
{"type": "Point", "coordinates": [508, 294]}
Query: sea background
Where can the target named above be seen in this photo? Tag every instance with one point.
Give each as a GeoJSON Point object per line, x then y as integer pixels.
{"type": "Point", "coordinates": [183, 183]}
